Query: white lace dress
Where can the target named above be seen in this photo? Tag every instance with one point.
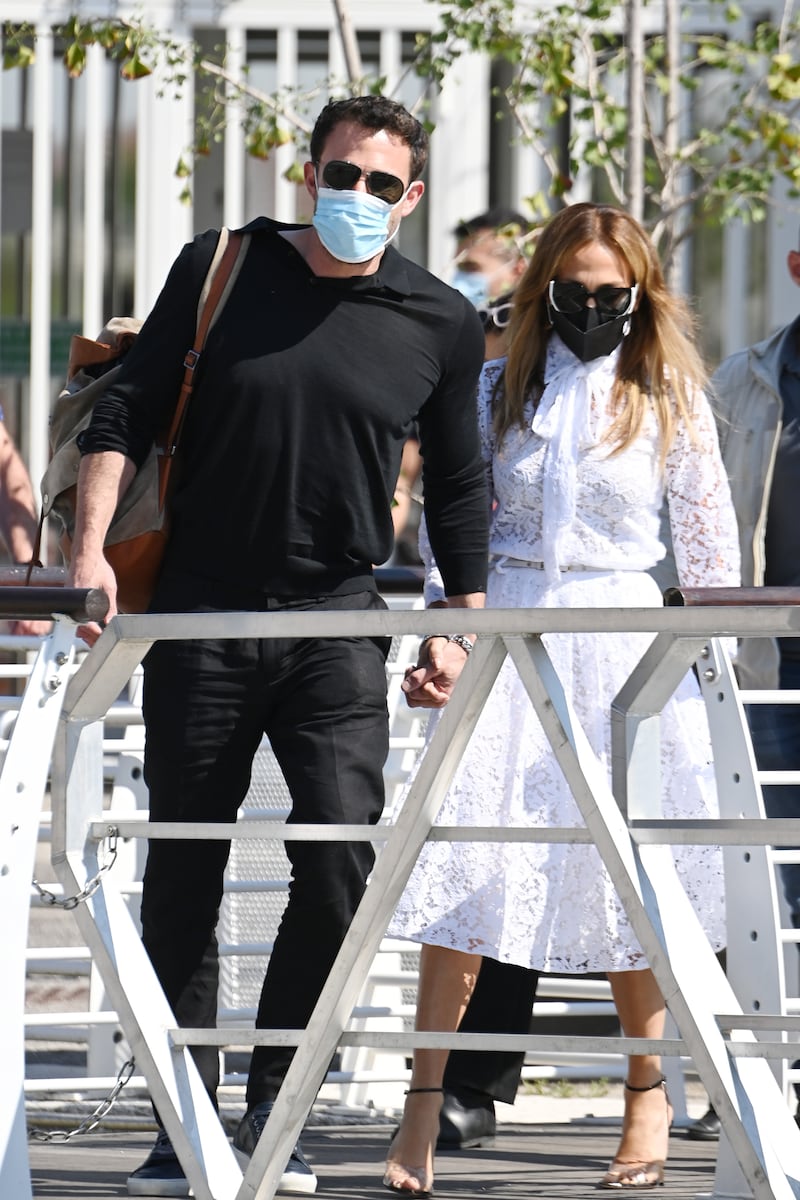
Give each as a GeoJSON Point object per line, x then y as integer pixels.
{"type": "Point", "coordinates": [562, 501]}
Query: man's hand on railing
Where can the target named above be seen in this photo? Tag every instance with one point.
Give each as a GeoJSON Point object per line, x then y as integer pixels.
{"type": "Point", "coordinates": [94, 573]}
{"type": "Point", "coordinates": [430, 683]}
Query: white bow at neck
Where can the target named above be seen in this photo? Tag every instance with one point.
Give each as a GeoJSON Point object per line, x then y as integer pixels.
{"type": "Point", "coordinates": [567, 421]}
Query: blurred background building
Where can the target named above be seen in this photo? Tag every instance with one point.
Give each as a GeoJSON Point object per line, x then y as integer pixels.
{"type": "Point", "coordinates": [92, 210]}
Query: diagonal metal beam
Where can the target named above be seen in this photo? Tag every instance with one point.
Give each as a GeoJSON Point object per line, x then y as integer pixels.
{"type": "Point", "coordinates": [117, 950]}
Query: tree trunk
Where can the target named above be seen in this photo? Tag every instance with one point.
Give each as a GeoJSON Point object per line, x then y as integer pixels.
{"type": "Point", "coordinates": [352, 54]}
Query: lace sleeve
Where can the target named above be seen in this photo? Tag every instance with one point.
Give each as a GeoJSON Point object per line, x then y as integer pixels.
{"type": "Point", "coordinates": [703, 522]}
{"type": "Point", "coordinates": [434, 586]}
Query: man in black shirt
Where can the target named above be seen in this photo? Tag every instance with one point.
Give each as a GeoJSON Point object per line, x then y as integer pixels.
{"type": "Point", "coordinates": [330, 346]}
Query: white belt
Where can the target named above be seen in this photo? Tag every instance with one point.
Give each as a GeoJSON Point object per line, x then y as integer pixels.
{"type": "Point", "coordinates": [501, 561]}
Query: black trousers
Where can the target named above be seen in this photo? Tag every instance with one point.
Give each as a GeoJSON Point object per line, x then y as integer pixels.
{"type": "Point", "coordinates": [322, 703]}
{"type": "Point", "coordinates": [501, 1003]}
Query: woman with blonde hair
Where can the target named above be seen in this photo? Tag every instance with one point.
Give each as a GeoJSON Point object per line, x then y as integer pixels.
{"type": "Point", "coordinates": [594, 417]}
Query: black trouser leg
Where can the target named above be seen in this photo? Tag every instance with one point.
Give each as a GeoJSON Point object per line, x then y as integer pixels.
{"type": "Point", "coordinates": [501, 1003]}
{"type": "Point", "coordinates": [330, 736]}
{"type": "Point", "coordinates": [203, 721]}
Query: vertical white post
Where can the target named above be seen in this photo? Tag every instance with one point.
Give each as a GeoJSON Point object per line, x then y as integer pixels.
{"type": "Point", "coordinates": [285, 201]}
{"type": "Point", "coordinates": [391, 59]}
{"type": "Point", "coordinates": [94, 185]}
{"type": "Point", "coordinates": [163, 222]}
{"type": "Point", "coordinates": [41, 255]}
{"type": "Point", "coordinates": [233, 204]}
{"type": "Point", "coordinates": [458, 185]}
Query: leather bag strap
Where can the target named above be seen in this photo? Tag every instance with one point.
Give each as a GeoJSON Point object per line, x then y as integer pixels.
{"type": "Point", "coordinates": [218, 284]}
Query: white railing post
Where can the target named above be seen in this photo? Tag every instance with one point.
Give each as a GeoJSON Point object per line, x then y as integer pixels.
{"type": "Point", "coordinates": [41, 256]}
{"type": "Point", "coordinates": [22, 785]}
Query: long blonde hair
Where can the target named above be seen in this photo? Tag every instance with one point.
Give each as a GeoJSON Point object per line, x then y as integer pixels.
{"type": "Point", "coordinates": [659, 364]}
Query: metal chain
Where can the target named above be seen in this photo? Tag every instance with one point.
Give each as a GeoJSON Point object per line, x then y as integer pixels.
{"type": "Point", "coordinates": [89, 888]}
{"type": "Point", "coordinates": [93, 1120]}
{"type": "Point", "coordinates": [126, 1070]}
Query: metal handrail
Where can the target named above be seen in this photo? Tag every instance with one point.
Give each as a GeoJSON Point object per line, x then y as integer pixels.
{"type": "Point", "coordinates": [682, 633]}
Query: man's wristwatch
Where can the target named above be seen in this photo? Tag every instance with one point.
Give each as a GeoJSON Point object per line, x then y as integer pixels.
{"type": "Point", "coordinates": [460, 639]}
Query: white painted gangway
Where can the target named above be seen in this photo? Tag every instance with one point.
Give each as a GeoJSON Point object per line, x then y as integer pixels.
{"type": "Point", "coordinates": [734, 1029]}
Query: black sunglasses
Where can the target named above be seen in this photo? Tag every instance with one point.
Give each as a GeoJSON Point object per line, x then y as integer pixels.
{"type": "Point", "coordinates": [569, 296]}
{"type": "Point", "coordinates": [343, 176]}
{"type": "Point", "coordinates": [496, 315]}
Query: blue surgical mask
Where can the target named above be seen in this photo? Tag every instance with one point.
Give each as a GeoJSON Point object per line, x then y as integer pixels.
{"type": "Point", "coordinates": [472, 284]}
{"type": "Point", "coordinates": [352, 226]}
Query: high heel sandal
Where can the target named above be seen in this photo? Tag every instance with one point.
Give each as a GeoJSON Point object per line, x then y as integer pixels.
{"type": "Point", "coordinates": [638, 1173]}
{"type": "Point", "coordinates": [420, 1175]}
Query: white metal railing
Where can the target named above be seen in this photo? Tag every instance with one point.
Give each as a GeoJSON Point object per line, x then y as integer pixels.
{"type": "Point", "coordinates": [735, 1069]}
{"type": "Point", "coordinates": [749, 1101]}
{"type": "Point", "coordinates": [364, 1077]}
{"type": "Point", "coordinates": [97, 1026]}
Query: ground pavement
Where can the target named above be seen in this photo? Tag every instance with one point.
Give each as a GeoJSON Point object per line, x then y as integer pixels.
{"type": "Point", "coordinates": [554, 1150]}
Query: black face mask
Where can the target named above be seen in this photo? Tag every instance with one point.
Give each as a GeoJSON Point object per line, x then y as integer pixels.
{"type": "Point", "coordinates": [589, 333]}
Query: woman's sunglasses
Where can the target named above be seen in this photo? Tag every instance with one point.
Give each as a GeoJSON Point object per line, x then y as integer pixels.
{"type": "Point", "coordinates": [568, 296]}
{"type": "Point", "coordinates": [343, 176]}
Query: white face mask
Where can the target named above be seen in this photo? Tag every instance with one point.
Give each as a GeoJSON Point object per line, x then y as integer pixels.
{"type": "Point", "coordinates": [353, 226]}
{"type": "Point", "coordinates": [472, 284]}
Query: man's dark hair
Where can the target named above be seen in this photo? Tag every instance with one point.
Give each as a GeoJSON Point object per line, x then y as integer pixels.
{"type": "Point", "coordinates": [494, 218]}
{"type": "Point", "coordinates": [375, 113]}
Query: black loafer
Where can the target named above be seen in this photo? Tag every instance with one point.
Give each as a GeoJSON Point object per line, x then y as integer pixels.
{"type": "Point", "coordinates": [466, 1120]}
{"type": "Point", "coordinates": [705, 1129]}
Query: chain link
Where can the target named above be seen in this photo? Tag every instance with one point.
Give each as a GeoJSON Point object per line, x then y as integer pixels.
{"type": "Point", "coordinates": [53, 901]}
{"type": "Point", "coordinates": [93, 1120]}
{"type": "Point", "coordinates": [126, 1070]}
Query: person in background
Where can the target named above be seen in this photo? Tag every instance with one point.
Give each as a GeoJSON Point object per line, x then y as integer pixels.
{"type": "Point", "coordinates": [597, 414]}
{"type": "Point", "coordinates": [504, 992]}
{"type": "Point", "coordinates": [490, 258]}
{"type": "Point", "coordinates": [283, 505]}
{"type": "Point", "coordinates": [492, 251]}
{"type": "Point", "coordinates": [18, 518]}
{"type": "Point", "coordinates": [495, 317]}
{"type": "Point", "coordinates": [756, 398]}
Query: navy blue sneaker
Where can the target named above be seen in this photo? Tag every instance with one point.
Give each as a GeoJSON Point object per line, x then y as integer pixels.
{"type": "Point", "coordinates": [298, 1179]}
{"type": "Point", "coordinates": [160, 1174]}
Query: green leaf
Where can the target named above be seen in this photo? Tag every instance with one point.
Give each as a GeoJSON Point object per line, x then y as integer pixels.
{"type": "Point", "coordinates": [294, 173]}
{"type": "Point", "coordinates": [134, 68]}
{"type": "Point", "coordinates": [713, 56]}
{"type": "Point", "coordinates": [75, 58]}
{"type": "Point", "coordinates": [19, 55]}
